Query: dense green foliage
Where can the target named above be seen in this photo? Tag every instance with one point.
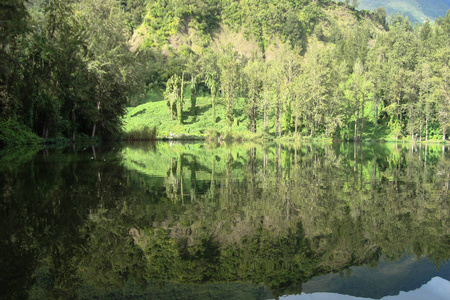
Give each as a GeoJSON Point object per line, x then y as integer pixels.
{"type": "Point", "coordinates": [67, 67]}
{"type": "Point", "coordinates": [287, 68]}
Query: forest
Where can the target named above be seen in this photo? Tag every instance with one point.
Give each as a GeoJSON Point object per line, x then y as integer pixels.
{"type": "Point", "coordinates": [72, 69]}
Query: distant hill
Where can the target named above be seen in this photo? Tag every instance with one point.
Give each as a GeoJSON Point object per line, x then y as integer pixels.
{"type": "Point", "coordinates": [388, 278]}
{"type": "Point", "coordinates": [416, 10]}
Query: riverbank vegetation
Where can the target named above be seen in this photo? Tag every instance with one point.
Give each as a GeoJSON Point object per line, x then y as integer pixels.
{"type": "Point", "coordinates": [66, 67]}
{"type": "Point", "coordinates": [290, 69]}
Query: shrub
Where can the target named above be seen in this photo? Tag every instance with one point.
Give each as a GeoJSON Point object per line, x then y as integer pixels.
{"type": "Point", "coordinates": [212, 134]}
{"type": "Point", "coordinates": [144, 134]}
{"type": "Point", "coordinates": [13, 132]}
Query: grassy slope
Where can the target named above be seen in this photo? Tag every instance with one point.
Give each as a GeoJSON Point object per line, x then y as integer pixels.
{"type": "Point", "coordinates": [156, 114]}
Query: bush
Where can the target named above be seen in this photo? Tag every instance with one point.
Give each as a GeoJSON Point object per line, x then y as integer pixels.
{"type": "Point", "coordinates": [212, 134]}
{"type": "Point", "coordinates": [13, 132]}
{"type": "Point", "coordinates": [144, 134]}
{"type": "Point", "coordinates": [228, 136]}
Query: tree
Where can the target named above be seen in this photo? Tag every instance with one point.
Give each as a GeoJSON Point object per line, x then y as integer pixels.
{"type": "Point", "coordinates": [273, 93]}
{"type": "Point", "coordinates": [289, 61]}
{"type": "Point", "coordinates": [377, 65]}
{"type": "Point", "coordinates": [426, 101]}
{"type": "Point", "coordinates": [172, 95]}
{"type": "Point", "coordinates": [442, 95]}
{"type": "Point", "coordinates": [229, 79]}
{"type": "Point", "coordinates": [52, 77]}
{"type": "Point", "coordinates": [191, 64]}
{"type": "Point", "coordinates": [253, 72]}
{"type": "Point", "coordinates": [13, 16]}
{"type": "Point", "coordinates": [109, 61]}
{"type": "Point", "coordinates": [315, 83]}
{"type": "Point", "coordinates": [211, 74]}
{"type": "Point", "coordinates": [441, 80]}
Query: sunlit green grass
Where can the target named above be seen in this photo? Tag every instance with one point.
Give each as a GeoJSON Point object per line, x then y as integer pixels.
{"type": "Point", "coordinates": [200, 123]}
{"type": "Point", "coordinates": [196, 123]}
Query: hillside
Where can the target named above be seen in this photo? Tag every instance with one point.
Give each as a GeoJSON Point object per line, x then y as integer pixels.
{"type": "Point", "coordinates": [199, 45]}
{"type": "Point", "coordinates": [303, 69]}
{"type": "Point", "coordinates": [416, 10]}
{"type": "Point", "coordinates": [293, 69]}
{"type": "Point", "coordinates": [259, 28]}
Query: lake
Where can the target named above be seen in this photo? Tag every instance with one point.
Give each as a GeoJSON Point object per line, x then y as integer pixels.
{"type": "Point", "coordinates": [225, 221]}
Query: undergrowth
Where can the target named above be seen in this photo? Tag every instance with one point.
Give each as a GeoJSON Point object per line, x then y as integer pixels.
{"type": "Point", "coordinates": [13, 133]}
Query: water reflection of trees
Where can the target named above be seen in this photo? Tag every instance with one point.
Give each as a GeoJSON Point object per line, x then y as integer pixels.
{"type": "Point", "coordinates": [352, 203]}
{"type": "Point", "coordinates": [278, 215]}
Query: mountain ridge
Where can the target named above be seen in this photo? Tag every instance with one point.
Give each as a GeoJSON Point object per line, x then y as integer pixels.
{"type": "Point", "coordinates": [416, 10]}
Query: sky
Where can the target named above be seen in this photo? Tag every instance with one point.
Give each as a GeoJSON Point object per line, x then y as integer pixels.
{"type": "Point", "coordinates": [436, 289]}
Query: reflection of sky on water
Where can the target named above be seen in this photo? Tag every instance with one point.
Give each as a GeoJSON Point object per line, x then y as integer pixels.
{"type": "Point", "coordinates": [436, 289]}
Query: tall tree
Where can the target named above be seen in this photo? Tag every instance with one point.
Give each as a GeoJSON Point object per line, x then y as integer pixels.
{"type": "Point", "coordinates": [211, 74]}
{"type": "Point", "coordinates": [441, 90]}
{"type": "Point", "coordinates": [315, 73]}
{"type": "Point", "coordinates": [109, 62]}
{"type": "Point", "coordinates": [229, 79]}
{"type": "Point", "coordinates": [253, 72]}
{"type": "Point", "coordinates": [172, 95]}
{"type": "Point", "coordinates": [13, 16]}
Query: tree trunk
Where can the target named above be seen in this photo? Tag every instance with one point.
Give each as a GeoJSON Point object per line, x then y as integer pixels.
{"type": "Point", "coordinates": [73, 119]}
{"type": "Point", "coordinates": [362, 121]}
{"type": "Point", "coordinates": [376, 111]}
{"type": "Point", "coordinates": [180, 100]}
{"type": "Point", "coordinates": [420, 132]}
{"type": "Point", "coordinates": [95, 124]}
{"type": "Point", "coordinates": [296, 125]}
{"type": "Point", "coordinates": [355, 135]}
{"type": "Point", "coordinates": [194, 100]}
{"type": "Point", "coordinates": [254, 119]}
{"type": "Point", "coordinates": [214, 107]}
{"type": "Point", "coordinates": [265, 113]}
{"type": "Point", "coordinates": [280, 114]}
{"type": "Point", "coordinates": [44, 129]}
{"type": "Point", "coordinates": [426, 130]}
{"type": "Point", "coordinates": [93, 130]}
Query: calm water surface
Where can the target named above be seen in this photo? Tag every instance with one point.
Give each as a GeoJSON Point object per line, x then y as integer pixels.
{"type": "Point", "coordinates": [218, 221]}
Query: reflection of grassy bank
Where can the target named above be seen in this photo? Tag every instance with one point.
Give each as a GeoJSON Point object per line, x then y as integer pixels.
{"type": "Point", "coordinates": [170, 290]}
{"type": "Point", "coordinates": [242, 207]}
{"type": "Point", "coordinates": [109, 223]}
{"type": "Point", "coordinates": [12, 157]}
